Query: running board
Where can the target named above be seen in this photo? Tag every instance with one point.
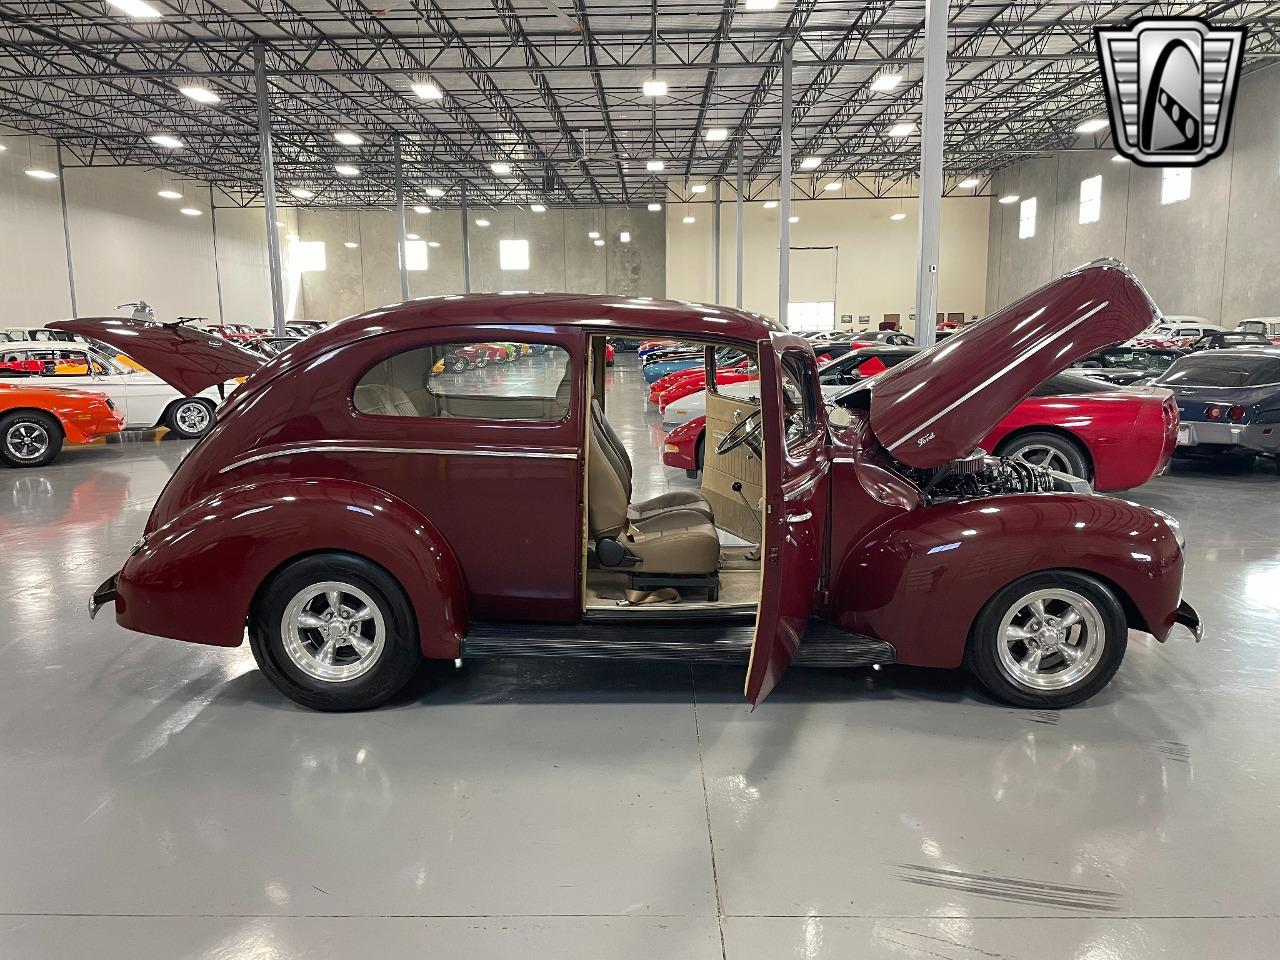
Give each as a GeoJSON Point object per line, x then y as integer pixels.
{"type": "Point", "coordinates": [823, 646]}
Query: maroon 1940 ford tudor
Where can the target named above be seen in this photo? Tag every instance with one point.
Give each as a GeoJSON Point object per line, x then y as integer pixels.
{"type": "Point", "coordinates": [342, 508]}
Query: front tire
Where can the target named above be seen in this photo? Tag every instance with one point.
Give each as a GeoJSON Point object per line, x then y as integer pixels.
{"type": "Point", "coordinates": [1051, 639]}
{"type": "Point", "coordinates": [190, 419]}
{"type": "Point", "coordinates": [334, 632]}
{"type": "Point", "coordinates": [29, 438]}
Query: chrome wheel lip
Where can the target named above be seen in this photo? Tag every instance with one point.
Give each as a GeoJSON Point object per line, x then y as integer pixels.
{"type": "Point", "coordinates": [1050, 639]}
{"type": "Point", "coordinates": [193, 416]}
{"type": "Point", "coordinates": [1043, 455]}
{"type": "Point", "coordinates": [27, 440]}
{"type": "Point", "coordinates": [333, 645]}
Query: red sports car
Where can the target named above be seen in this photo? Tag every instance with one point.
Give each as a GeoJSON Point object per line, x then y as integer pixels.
{"type": "Point", "coordinates": [1117, 439]}
{"type": "Point", "coordinates": [693, 375]}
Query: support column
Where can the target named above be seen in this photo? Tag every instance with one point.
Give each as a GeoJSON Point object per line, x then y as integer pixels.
{"type": "Point", "coordinates": [737, 302]}
{"type": "Point", "coordinates": [715, 238]}
{"type": "Point", "coordinates": [466, 241]}
{"type": "Point", "coordinates": [66, 230]}
{"type": "Point", "coordinates": [217, 268]}
{"type": "Point", "coordinates": [784, 194]}
{"type": "Point", "coordinates": [404, 240]}
{"type": "Point", "coordinates": [269, 186]}
{"type": "Point", "coordinates": [933, 114]}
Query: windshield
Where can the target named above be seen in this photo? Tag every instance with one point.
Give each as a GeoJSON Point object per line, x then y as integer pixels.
{"type": "Point", "coordinates": [1222, 369]}
{"type": "Point", "coordinates": [1132, 359]}
{"type": "Point", "coordinates": [70, 363]}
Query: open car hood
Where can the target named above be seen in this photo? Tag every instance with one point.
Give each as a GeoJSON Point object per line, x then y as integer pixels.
{"type": "Point", "coordinates": [938, 405]}
{"type": "Point", "coordinates": [188, 359]}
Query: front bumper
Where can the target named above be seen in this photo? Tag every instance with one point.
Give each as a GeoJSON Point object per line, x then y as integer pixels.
{"type": "Point", "coordinates": [1188, 617]}
{"type": "Point", "coordinates": [106, 593]}
{"type": "Point", "coordinates": [1259, 438]}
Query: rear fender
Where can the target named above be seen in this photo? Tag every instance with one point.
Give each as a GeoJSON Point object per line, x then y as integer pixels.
{"type": "Point", "coordinates": [195, 578]}
{"type": "Point", "coordinates": [920, 580]}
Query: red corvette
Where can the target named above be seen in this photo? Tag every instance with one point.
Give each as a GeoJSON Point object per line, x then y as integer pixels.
{"type": "Point", "coordinates": [1117, 439]}
{"type": "Point", "coordinates": [697, 376]}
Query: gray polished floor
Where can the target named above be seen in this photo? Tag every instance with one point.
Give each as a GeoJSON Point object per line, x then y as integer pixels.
{"type": "Point", "coordinates": [161, 800]}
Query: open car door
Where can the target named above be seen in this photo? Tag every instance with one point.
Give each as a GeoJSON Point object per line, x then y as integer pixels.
{"type": "Point", "coordinates": [796, 466]}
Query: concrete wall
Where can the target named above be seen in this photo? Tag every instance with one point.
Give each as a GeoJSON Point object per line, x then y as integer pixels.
{"type": "Point", "coordinates": [1212, 255]}
{"type": "Point", "coordinates": [874, 257]}
{"type": "Point", "coordinates": [562, 257]}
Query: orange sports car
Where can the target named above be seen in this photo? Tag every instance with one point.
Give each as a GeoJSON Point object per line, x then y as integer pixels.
{"type": "Point", "coordinates": [36, 421]}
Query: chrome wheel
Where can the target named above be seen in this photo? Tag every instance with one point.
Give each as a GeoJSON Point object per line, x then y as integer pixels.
{"type": "Point", "coordinates": [1042, 455]}
{"type": "Point", "coordinates": [27, 440]}
{"type": "Point", "coordinates": [1051, 639]}
{"type": "Point", "coordinates": [333, 631]}
{"type": "Point", "coordinates": [192, 417]}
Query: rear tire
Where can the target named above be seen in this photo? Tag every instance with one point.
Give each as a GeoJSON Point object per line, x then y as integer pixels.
{"type": "Point", "coordinates": [458, 365]}
{"type": "Point", "coordinates": [190, 419]}
{"type": "Point", "coordinates": [1027, 661]}
{"type": "Point", "coordinates": [334, 632]}
{"type": "Point", "coordinates": [1050, 450]}
{"type": "Point", "coordinates": [29, 438]}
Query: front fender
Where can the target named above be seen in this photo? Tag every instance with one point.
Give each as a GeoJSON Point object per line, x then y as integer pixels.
{"type": "Point", "coordinates": [195, 577]}
{"type": "Point", "coordinates": [920, 580]}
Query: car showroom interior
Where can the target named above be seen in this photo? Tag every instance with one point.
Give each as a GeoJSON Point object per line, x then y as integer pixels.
{"type": "Point", "coordinates": [739, 479]}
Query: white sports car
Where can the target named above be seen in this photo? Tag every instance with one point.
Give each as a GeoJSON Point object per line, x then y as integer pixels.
{"type": "Point", "coordinates": [147, 401]}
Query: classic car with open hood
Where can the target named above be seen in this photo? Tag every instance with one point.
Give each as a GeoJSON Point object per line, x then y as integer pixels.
{"type": "Point", "coordinates": [340, 511]}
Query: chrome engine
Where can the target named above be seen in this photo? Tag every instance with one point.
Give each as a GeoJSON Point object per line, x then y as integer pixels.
{"type": "Point", "coordinates": [980, 474]}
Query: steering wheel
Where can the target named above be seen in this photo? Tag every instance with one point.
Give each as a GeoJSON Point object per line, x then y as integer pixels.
{"type": "Point", "coordinates": [744, 431]}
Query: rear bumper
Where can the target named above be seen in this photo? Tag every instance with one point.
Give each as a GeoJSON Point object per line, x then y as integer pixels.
{"type": "Point", "coordinates": [1256, 438]}
{"type": "Point", "coordinates": [1187, 617]}
{"type": "Point", "coordinates": [106, 593]}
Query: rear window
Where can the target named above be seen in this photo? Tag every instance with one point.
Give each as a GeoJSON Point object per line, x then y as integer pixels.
{"type": "Point", "coordinates": [1245, 339]}
{"type": "Point", "coordinates": [1070, 383]}
{"type": "Point", "coordinates": [1219, 369]}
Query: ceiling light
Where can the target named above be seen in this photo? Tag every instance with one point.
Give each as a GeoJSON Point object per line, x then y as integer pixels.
{"type": "Point", "coordinates": [655, 207]}
{"type": "Point", "coordinates": [501, 168]}
{"type": "Point", "coordinates": [169, 194]}
{"type": "Point", "coordinates": [793, 219]}
{"type": "Point", "coordinates": [434, 192]}
{"type": "Point", "coordinates": [834, 185]}
{"type": "Point", "coordinates": [1119, 159]}
{"type": "Point", "coordinates": [421, 209]}
{"type": "Point", "coordinates": [716, 134]}
{"type": "Point", "coordinates": [885, 81]}
{"type": "Point", "coordinates": [426, 89]}
{"type": "Point", "coordinates": [300, 193]}
{"type": "Point", "coordinates": [810, 163]}
{"type": "Point", "coordinates": [412, 236]}
{"type": "Point", "coordinates": [165, 140]}
{"type": "Point", "coordinates": [598, 243]}
{"type": "Point", "coordinates": [688, 220]}
{"type": "Point", "coordinates": [1010, 198]}
{"type": "Point", "coordinates": [904, 129]}
{"type": "Point", "coordinates": [41, 174]}
{"type": "Point", "coordinates": [624, 237]}
{"type": "Point", "coordinates": [1092, 126]}
{"type": "Point", "coordinates": [348, 139]}
{"type": "Point", "coordinates": [654, 88]}
{"type": "Point", "coordinates": [654, 166]}
{"type": "Point", "coordinates": [698, 188]}
{"type": "Point", "coordinates": [346, 170]}
{"type": "Point", "coordinates": [482, 223]}
{"type": "Point", "coordinates": [135, 8]}
{"type": "Point", "coordinates": [756, 5]}
{"type": "Point", "coordinates": [770, 204]}
{"type": "Point", "coordinates": [537, 208]}
{"type": "Point", "coordinates": [351, 244]}
{"type": "Point", "coordinates": [190, 211]}
{"type": "Point", "coordinates": [897, 216]}
{"type": "Point", "coordinates": [199, 93]}
{"type": "Point", "coordinates": [968, 183]}
{"type": "Point", "coordinates": [594, 234]}
{"type": "Point", "coordinates": [433, 243]}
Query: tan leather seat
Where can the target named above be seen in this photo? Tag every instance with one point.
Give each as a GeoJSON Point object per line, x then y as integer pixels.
{"type": "Point", "coordinates": [677, 542]}
{"type": "Point", "coordinates": [382, 400]}
{"type": "Point", "coordinates": [621, 461]}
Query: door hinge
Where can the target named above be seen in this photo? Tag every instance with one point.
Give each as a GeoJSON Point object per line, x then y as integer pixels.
{"type": "Point", "coordinates": [774, 553]}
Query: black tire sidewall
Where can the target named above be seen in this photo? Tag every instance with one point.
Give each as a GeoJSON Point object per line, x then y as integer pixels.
{"type": "Point", "coordinates": [171, 418]}
{"type": "Point", "coordinates": [46, 422]}
{"type": "Point", "coordinates": [1068, 448]}
{"type": "Point", "coordinates": [400, 657]}
{"type": "Point", "coordinates": [982, 657]}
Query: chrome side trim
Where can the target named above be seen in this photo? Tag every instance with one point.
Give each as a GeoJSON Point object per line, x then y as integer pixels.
{"type": "Point", "coordinates": [999, 373]}
{"type": "Point", "coordinates": [438, 451]}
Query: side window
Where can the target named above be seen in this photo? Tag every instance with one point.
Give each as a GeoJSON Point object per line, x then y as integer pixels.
{"type": "Point", "coordinates": [470, 381]}
{"type": "Point", "coordinates": [799, 401]}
